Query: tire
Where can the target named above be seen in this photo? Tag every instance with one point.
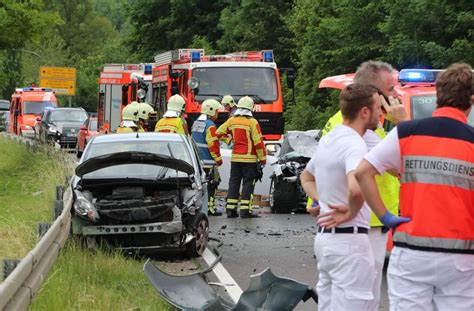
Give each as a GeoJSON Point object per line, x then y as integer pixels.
{"type": "Point", "coordinates": [43, 227]}
{"type": "Point", "coordinates": [284, 197]}
{"type": "Point", "coordinates": [196, 247]}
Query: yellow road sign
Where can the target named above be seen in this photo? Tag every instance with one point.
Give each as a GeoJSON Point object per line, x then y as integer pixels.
{"type": "Point", "coordinates": [61, 87]}
{"type": "Point", "coordinates": [62, 73]}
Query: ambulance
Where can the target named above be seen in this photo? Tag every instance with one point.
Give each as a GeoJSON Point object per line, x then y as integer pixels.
{"type": "Point", "coordinates": [27, 104]}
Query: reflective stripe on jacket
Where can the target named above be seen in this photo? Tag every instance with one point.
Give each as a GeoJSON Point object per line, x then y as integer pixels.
{"type": "Point", "coordinates": [247, 136]}
{"type": "Point", "coordinates": [204, 134]}
{"type": "Point", "coordinates": [437, 185]}
{"type": "Point", "coordinates": [388, 185]}
{"type": "Point", "coordinates": [172, 125]}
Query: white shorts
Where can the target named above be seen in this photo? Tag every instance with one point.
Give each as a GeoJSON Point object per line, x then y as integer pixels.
{"type": "Point", "coordinates": [346, 271]}
{"type": "Point", "coordinates": [421, 280]}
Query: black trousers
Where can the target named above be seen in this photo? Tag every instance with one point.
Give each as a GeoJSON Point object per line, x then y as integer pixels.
{"type": "Point", "coordinates": [244, 173]}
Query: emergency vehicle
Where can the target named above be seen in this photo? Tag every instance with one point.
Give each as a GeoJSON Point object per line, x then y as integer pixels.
{"type": "Point", "coordinates": [196, 77]}
{"type": "Point", "coordinates": [119, 85]}
{"type": "Point", "coordinates": [415, 86]}
{"type": "Point", "coordinates": [27, 104]}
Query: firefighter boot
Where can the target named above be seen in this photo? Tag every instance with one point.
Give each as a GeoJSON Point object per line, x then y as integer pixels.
{"type": "Point", "coordinates": [245, 211]}
{"type": "Point", "coordinates": [231, 208]}
{"type": "Point", "coordinates": [212, 208]}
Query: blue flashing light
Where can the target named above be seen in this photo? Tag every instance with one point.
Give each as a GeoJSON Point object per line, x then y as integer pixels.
{"type": "Point", "coordinates": [268, 56]}
{"type": "Point", "coordinates": [417, 76]}
{"type": "Point", "coordinates": [147, 69]}
{"type": "Point", "coordinates": [27, 88]}
{"type": "Point", "coordinates": [195, 56]}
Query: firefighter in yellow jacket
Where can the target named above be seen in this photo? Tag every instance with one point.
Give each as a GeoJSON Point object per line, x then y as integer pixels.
{"type": "Point", "coordinates": [129, 122]}
{"type": "Point", "coordinates": [173, 120]}
{"type": "Point", "coordinates": [248, 151]}
{"type": "Point", "coordinates": [143, 115]}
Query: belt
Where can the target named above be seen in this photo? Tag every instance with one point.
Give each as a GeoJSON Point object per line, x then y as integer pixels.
{"type": "Point", "coordinates": [343, 230]}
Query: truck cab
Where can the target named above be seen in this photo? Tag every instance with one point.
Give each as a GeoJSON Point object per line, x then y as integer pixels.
{"type": "Point", "coordinates": [26, 106]}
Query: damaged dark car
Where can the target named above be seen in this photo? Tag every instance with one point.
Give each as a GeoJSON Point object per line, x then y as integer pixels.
{"type": "Point", "coordinates": [141, 193]}
{"type": "Point", "coordinates": [286, 193]}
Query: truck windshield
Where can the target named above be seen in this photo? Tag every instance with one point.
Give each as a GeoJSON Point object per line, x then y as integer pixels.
{"type": "Point", "coordinates": [37, 107]}
{"type": "Point", "coordinates": [215, 82]}
{"type": "Point", "coordinates": [423, 107]}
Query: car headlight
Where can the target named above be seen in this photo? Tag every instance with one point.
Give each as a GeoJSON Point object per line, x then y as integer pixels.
{"type": "Point", "coordinates": [52, 129]}
{"type": "Point", "coordinates": [84, 207]}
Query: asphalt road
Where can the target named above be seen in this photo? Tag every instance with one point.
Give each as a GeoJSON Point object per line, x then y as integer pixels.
{"type": "Point", "coordinates": [283, 242]}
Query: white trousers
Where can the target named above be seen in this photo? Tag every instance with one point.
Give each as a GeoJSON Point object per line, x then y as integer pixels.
{"type": "Point", "coordinates": [378, 242]}
{"type": "Point", "coordinates": [426, 281]}
{"type": "Point", "coordinates": [346, 271]}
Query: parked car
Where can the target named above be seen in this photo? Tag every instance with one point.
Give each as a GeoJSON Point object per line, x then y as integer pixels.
{"type": "Point", "coordinates": [141, 193]}
{"type": "Point", "coordinates": [60, 126]}
{"type": "Point", "coordinates": [86, 132]}
{"type": "Point", "coordinates": [4, 105]}
{"type": "Point", "coordinates": [286, 193]}
{"type": "Point", "coordinates": [4, 120]}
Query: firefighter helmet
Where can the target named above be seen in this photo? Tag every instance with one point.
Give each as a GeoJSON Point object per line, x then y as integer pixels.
{"type": "Point", "coordinates": [176, 103]}
{"type": "Point", "coordinates": [144, 111]}
{"type": "Point", "coordinates": [130, 112]}
{"type": "Point", "coordinates": [246, 103]}
{"type": "Point", "coordinates": [210, 107]}
{"type": "Point", "coordinates": [228, 100]}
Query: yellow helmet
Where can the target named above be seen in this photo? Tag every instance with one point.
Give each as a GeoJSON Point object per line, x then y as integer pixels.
{"type": "Point", "coordinates": [130, 112]}
{"type": "Point", "coordinates": [144, 111]}
{"type": "Point", "coordinates": [210, 107]}
{"type": "Point", "coordinates": [228, 100]}
{"type": "Point", "coordinates": [176, 103]}
{"type": "Point", "coordinates": [245, 102]}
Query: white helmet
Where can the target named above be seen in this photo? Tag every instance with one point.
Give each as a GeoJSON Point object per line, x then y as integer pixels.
{"type": "Point", "coordinates": [130, 112]}
{"type": "Point", "coordinates": [246, 103]}
{"type": "Point", "coordinates": [144, 111]}
{"type": "Point", "coordinates": [228, 100]}
{"type": "Point", "coordinates": [176, 103]}
{"type": "Point", "coordinates": [210, 107]}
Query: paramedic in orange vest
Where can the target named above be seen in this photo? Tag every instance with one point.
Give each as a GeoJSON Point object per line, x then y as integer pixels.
{"type": "Point", "coordinates": [173, 121]}
{"type": "Point", "coordinates": [248, 149]}
{"type": "Point", "coordinates": [432, 264]}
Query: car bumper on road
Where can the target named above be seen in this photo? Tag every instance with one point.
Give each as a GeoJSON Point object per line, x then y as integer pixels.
{"type": "Point", "coordinates": [157, 227]}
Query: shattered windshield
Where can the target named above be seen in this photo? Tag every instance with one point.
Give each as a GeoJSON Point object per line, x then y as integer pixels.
{"type": "Point", "coordinates": [237, 81]}
{"type": "Point", "coordinates": [299, 144]}
{"type": "Point", "coordinates": [423, 107]}
{"type": "Point", "coordinates": [143, 171]}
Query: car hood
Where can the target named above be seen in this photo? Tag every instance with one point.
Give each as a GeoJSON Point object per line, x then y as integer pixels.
{"type": "Point", "coordinates": [299, 144]}
{"type": "Point", "coordinates": [132, 157]}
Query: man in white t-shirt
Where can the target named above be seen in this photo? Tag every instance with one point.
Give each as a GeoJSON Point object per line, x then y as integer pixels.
{"type": "Point", "coordinates": [345, 260]}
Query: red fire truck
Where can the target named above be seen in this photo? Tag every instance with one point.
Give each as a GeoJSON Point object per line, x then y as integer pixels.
{"type": "Point", "coordinates": [119, 85]}
{"type": "Point", "coordinates": [196, 77]}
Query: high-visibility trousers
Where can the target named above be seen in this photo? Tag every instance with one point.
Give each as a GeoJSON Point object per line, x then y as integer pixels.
{"type": "Point", "coordinates": [245, 174]}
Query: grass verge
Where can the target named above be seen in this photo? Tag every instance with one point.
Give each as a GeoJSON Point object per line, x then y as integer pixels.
{"type": "Point", "coordinates": [27, 191]}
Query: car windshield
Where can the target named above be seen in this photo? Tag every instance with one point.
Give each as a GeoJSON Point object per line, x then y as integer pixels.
{"type": "Point", "coordinates": [68, 116]}
{"type": "Point", "coordinates": [216, 82]}
{"type": "Point", "coordinates": [144, 171]}
{"type": "Point", "coordinates": [423, 107]}
{"type": "Point", "coordinates": [37, 107]}
{"type": "Point", "coordinates": [93, 125]}
{"type": "Point", "coordinates": [4, 105]}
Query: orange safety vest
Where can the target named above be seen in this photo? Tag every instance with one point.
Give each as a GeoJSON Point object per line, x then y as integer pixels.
{"type": "Point", "coordinates": [172, 125]}
{"type": "Point", "coordinates": [247, 137]}
{"type": "Point", "coordinates": [437, 184]}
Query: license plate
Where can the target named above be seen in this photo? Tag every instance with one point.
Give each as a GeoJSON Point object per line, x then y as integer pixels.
{"type": "Point", "coordinates": [71, 135]}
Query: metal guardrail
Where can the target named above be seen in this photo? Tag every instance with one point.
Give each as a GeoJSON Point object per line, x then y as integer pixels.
{"type": "Point", "coordinates": [21, 286]}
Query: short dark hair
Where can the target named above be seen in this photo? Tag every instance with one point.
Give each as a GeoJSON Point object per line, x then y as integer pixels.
{"type": "Point", "coordinates": [354, 97]}
{"type": "Point", "coordinates": [368, 72]}
{"type": "Point", "coordinates": [455, 86]}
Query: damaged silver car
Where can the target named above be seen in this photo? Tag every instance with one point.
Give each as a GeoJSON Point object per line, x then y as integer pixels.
{"type": "Point", "coordinates": [141, 193]}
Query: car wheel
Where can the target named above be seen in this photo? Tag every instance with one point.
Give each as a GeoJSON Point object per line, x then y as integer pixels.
{"type": "Point", "coordinates": [283, 197]}
{"type": "Point", "coordinates": [196, 247]}
{"type": "Point", "coordinates": [271, 192]}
